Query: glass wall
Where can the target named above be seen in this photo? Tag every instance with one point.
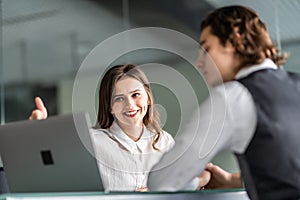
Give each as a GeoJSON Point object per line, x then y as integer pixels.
{"type": "Point", "coordinates": [44, 43]}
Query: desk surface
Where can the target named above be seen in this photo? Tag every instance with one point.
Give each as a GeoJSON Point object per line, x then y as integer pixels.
{"type": "Point", "coordinates": [204, 194]}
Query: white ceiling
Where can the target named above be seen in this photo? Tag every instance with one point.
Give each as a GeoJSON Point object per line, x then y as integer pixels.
{"type": "Point", "coordinates": [47, 40]}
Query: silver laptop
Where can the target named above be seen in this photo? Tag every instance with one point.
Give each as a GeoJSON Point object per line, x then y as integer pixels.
{"type": "Point", "coordinates": [52, 155]}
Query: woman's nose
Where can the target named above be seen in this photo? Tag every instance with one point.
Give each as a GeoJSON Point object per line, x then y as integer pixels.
{"type": "Point", "coordinates": [129, 102]}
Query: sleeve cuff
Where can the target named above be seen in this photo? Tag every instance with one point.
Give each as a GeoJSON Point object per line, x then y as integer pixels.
{"type": "Point", "coordinates": [192, 185]}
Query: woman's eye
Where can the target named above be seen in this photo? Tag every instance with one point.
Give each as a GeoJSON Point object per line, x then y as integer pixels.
{"type": "Point", "coordinates": [136, 94]}
{"type": "Point", "coordinates": [119, 99]}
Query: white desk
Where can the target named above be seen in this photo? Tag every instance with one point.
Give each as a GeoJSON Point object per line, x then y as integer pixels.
{"type": "Point", "coordinates": [204, 194]}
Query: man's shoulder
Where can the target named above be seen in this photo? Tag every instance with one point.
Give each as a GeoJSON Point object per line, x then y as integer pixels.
{"type": "Point", "coordinates": [230, 92]}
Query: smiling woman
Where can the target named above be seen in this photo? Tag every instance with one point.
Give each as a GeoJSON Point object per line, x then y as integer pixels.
{"type": "Point", "coordinates": [125, 97]}
{"type": "Point", "coordinates": [130, 105]}
{"type": "Point", "coordinates": [128, 139]}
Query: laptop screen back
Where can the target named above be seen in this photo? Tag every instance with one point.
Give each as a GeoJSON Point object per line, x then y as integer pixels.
{"type": "Point", "coordinates": [49, 155]}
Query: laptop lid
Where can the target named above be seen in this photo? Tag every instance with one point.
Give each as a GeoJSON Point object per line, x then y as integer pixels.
{"type": "Point", "coordinates": [52, 155]}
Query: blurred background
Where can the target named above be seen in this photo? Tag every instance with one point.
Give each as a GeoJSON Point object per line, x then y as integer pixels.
{"type": "Point", "coordinates": [44, 42]}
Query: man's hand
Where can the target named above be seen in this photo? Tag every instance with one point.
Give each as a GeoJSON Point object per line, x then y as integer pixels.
{"type": "Point", "coordinates": [204, 179]}
{"type": "Point", "coordinates": [221, 179]}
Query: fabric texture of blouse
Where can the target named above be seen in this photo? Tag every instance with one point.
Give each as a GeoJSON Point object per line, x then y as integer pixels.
{"type": "Point", "coordinates": [123, 163]}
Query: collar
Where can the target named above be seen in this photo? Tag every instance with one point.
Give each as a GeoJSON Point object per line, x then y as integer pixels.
{"type": "Point", "coordinates": [266, 64]}
{"type": "Point", "coordinates": [117, 133]}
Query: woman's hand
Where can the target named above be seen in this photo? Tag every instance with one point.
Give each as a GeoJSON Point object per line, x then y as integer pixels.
{"type": "Point", "coordinates": [142, 189]}
{"type": "Point", "coordinates": [40, 112]}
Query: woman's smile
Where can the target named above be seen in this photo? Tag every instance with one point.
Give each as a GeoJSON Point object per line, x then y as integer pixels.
{"type": "Point", "coordinates": [132, 113]}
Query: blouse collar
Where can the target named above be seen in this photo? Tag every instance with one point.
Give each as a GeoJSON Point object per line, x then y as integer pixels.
{"type": "Point", "coordinates": [116, 132]}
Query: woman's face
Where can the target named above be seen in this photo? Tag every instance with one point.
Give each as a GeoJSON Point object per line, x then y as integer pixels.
{"type": "Point", "coordinates": [215, 61]}
{"type": "Point", "coordinates": [129, 102]}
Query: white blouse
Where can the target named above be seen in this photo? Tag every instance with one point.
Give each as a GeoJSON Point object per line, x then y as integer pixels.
{"type": "Point", "coordinates": [123, 163]}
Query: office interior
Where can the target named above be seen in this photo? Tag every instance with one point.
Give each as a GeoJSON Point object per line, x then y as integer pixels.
{"type": "Point", "coordinates": [45, 42]}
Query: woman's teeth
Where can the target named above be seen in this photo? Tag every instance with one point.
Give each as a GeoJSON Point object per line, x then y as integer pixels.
{"type": "Point", "coordinates": [131, 113]}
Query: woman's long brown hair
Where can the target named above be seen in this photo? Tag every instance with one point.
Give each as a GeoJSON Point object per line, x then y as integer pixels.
{"type": "Point", "coordinates": [114, 74]}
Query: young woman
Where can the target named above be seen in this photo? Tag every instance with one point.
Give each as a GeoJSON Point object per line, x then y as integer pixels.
{"type": "Point", "coordinates": [255, 111]}
{"type": "Point", "coordinates": [128, 139]}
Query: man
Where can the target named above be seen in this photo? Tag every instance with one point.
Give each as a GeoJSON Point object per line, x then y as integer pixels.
{"type": "Point", "coordinates": [253, 110]}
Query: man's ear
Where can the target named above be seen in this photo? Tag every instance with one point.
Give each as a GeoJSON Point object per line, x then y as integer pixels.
{"type": "Point", "coordinates": [229, 47]}
{"type": "Point", "coordinates": [235, 41]}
